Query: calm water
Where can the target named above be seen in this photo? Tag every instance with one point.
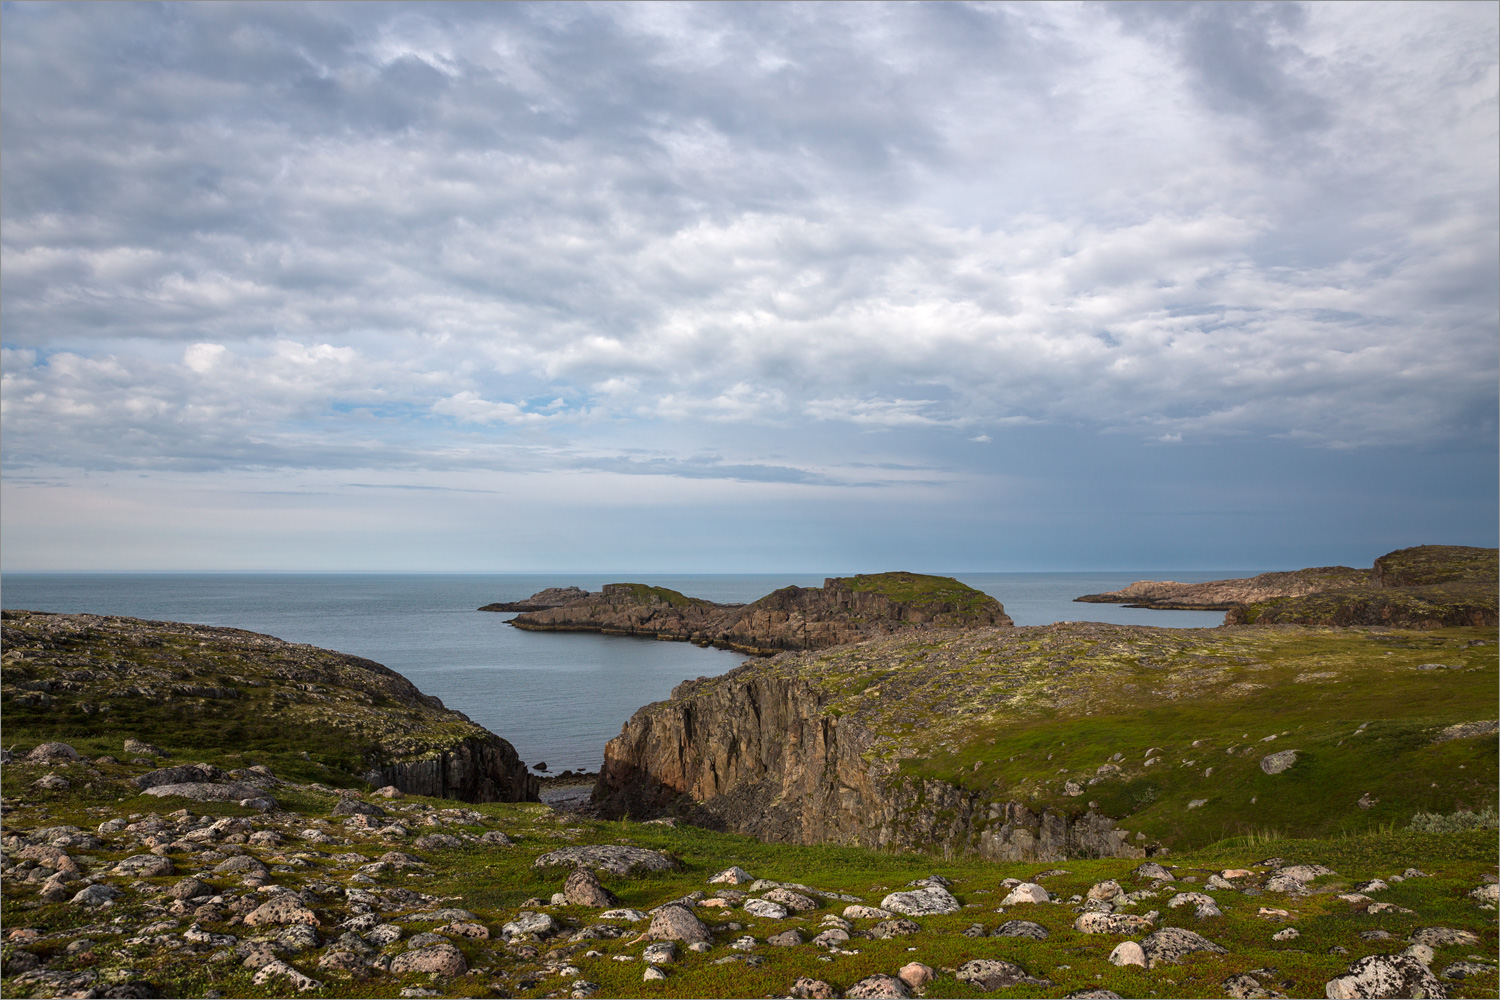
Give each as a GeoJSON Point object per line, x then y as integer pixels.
{"type": "Point", "coordinates": [558, 697]}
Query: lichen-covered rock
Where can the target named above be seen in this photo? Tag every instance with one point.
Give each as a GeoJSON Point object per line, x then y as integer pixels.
{"type": "Point", "coordinates": [927, 901]}
{"type": "Point", "coordinates": [807, 988]}
{"type": "Point", "coordinates": [1383, 976]}
{"type": "Point", "coordinates": [620, 859]}
{"type": "Point", "coordinates": [1128, 953]}
{"type": "Point", "coordinates": [283, 909]}
{"type": "Point", "coordinates": [1170, 945]}
{"type": "Point", "coordinates": [765, 909]}
{"type": "Point", "coordinates": [440, 959]}
{"type": "Point", "coordinates": [1111, 923]}
{"type": "Point", "coordinates": [878, 987]}
{"type": "Point", "coordinates": [678, 923]}
{"type": "Point", "coordinates": [1444, 937]}
{"type": "Point", "coordinates": [583, 889]}
{"type": "Point", "coordinates": [44, 752]}
{"type": "Point", "coordinates": [991, 974]}
{"type": "Point", "coordinates": [1277, 762]}
{"type": "Point", "coordinates": [1021, 929]}
{"type": "Point", "coordinates": [1026, 892]}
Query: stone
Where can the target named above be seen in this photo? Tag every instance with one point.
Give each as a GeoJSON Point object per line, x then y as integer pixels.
{"type": "Point", "coordinates": [1380, 976]}
{"type": "Point", "coordinates": [1170, 944]}
{"type": "Point", "coordinates": [44, 752]}
{"type": "Point", "coordinates": [349, 806]}
{"type": "Point", "coordinates": [1247, 987]}
{"type": "Point", "coordinates": [1277, 762]}
{"type": "Point", "coordinates": [1026, 892]}
{"type": "Point", "coordinates": [733, 875]}
{"type": "Point", "coordinates": [1152, 870]}
{"type": "Point", "coordinates": [1111, 923]}
{"type": "Point", "coordinates": [619, 859]}
{"type": "Point", "coordinates": [277, 969]}
{"type": "Point", "coordinates": [878, 987]}
{"type": "Point", "coordinates": [1021, 929]}
{"type": "Point", "coordinates": [1466, 970]}
{"type": "Point", "coordinates": [858, 912]}
{"type": "Point", "coordinates": [283, 909]}
{"type": "Point", "coordinates": [1097, 993]}
{"type": "Point", "coordinates": [439, 959]}
{"type": "Point", "coordinates": [583, 889]}
{"type": "Point", "coordinates": [142, 749]}
{"type": "Point", "coordinates": [832, 937]}
{"type": "Point", "coordinates": [786, 939]}
{"type": "Point", "coordinates": [1104, 890]}
{"type": "Point", "coordinates": [298, 937]}
{"type": "Point", "coordinates": [794, 901]}
{"type": "Point", "coordinates": [1487, 893]}
{"type": "Point", "coordinates": [765, 909]}
{"type": "Point", "coordinates": [1421, 952]}
{"type": "Point", "coordinates": [1443, 937]}
{"type": "Point", "coordinates": [811, 989]}
{"type": "Point", "coordinates": [495, 838]}
{"type": "Point", "coordinates": [96, 895]}
{"type": "Point", "coordinates": [677, 923]}
{"type": "Point", "coordinates": [145, 866]}
{"type": "Point", "coordinates": [1302, 873]}
{"type": "Point", "coordinates": [190, 888]}
{"type": "Point", "coordinates": [383, 934]}
{"type": "Point", "coordinates": [1128, 953]}
{"type": "Point", "coordinates": [204, 791]}
{"type": "Point", "coordinates": [893, 929]}
{"type": "Point", "coordinates": [51, 783]}
{"type": "Point", "coordinates": [990, 974]}
{"type": "Point", "coordinates": [928, 901]}
{"type": "Point", "coordinates": [467, 929]}
{"type": "Point", "coordinates": [240, 864]}
{"type": "Point", "coordinates": [626, 914]}
{"type": "Point", "coordinates": [915, 975]}
{"type": "Point", "coordinates": [1189, 899]}
{"type": "Point", "coordinates": [388, 792]}
{"type": "Point", "coordinates": [1286, 934]}
{"type": "Point", "coordinates": [348, 963]}
{"type": "Point", "coordinates": [652, 975]}
{"type": "Point", "coordinates": [528, 923]}
{"type": "Point", "coordinates": [660, 952]}
{"type": "Point", "coordinates": [437, 842]}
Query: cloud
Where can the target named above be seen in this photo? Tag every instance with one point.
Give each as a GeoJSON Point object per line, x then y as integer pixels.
{"type": "Point", "coordinates": [328, 237]}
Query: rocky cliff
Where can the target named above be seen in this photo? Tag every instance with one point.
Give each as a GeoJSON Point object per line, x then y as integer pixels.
{"type": "Point", "coordinates": [1427, 586]}
{"type": "Point", "coordinates": [844, 610]}
{"type": "Point", "coordinates": [1043, 743]}
{"type": "Point", "coordinates": [72, 677]}
{"type": "Point", "coordinates": [552, 597]}
{"type": "Point", "coordinates": [1221, 595]}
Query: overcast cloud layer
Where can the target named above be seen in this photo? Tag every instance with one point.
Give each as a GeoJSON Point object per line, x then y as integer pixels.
{"type": "Point", "coordinates": [867, 264]}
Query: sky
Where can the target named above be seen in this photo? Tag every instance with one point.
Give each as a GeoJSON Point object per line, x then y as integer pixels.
{"type": "Point", "coordinates": [746, 287]}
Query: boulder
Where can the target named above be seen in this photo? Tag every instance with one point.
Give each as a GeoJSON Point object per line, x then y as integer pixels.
{"type": "Point", "coordinates": [878, 987]}
{"type": "Point", "coordinates": [277, 969]}
{"type": "Point", "coordinates": [1444, 937]}
{"type": "Point", "coordinates": [528, 923]}
{"type": "Point", "coordinates": [494, 838]}
{"type": "Point", "coordinates": [794, 901]}
{"type": "Point", "coordinates": [660, 953]}
{"type": "Point", "coordinates": [1171, 944]}
{"type": "Point", "coordinates": [811, 989]}
{"type": "Point", "coordinates": [1153, 870]}
{"type": "Point", "coordinates": [440, 959]}
{"type": "Point", "coordinates": [1105, 890]}
{"type": "Point", "coordinates": [1128, 953]}
{"type": "Point", "coordinates": [1381, 976]}
{"type": "Point", "coordinates": [1277, 762]}
{"type": "Point", "coordinates": [786, 939]}
{"type": "Point", "coordinates": [765, 909]}
{"type": "Point", "coordinates": [437, 842]}
{"type": "Point", "coordinates": [142, 749]}
{"type": "Point", "coordinates": [51, 783]}
{"type": "Point", "coordinates": [915, 975]}
{"type": "Point", "coordinates": [618, 859]}
{"type": "Point", "coordinates": [894, 929]}
{"type": "Point", "coordinates": [678, 923]}
{"type": "Point", "coordinates": [991, 974]}
{"type": "Point", "coordinates": [928, 901]}
{"type": "Point", "coordinates": [46, 751]}
{"type": "Point", "coordinates": [583, 889]}
{"type": "Point", "coordinates": [733, 875]}
{"type": "Point", "coordinates": [1111, 923]}
{"type": "Point", "coordinates": [190, 888]}
{"type": "Point", "coordinates": [1021, 929]}
{"type": "Point", "coordinates": [1026, 892]}
{"type": "Point", "coordinates": [350, 806]}
{"type": "Point", "coordinates": [286, 908]}
{"type": "Point", "coordinates": [178, 775]}
{"type": "Point", "coordinates": [858, 912]}
{"type": "Point", "coordinates": [145, 866]}
{"type": "Point", "coordinates": [96, 895]}
{"type": "Point", "coordinates": [205, 791]}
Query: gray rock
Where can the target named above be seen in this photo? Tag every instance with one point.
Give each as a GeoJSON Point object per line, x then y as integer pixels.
{"type": "Point", "coordinates": [298, 937]}
{"type": "Point", "coordinates": [1302, 873]}
{"type": "Point", "coordinates": [203, 791]}
{"type": "Point", "coordinates": [1381, 976]}
{"type": "Point", "coordinates": [786, 939]}
{"type": "Point", "coordinates": [441, 959]}
{"type": "Point", "coordinates": [178, 775]}
{"type": "Point", "coordinates": [495, 839]}
{"type": "Point", "coordinates": [51, 783]}
{"type": "Point", "coordinates": [1026, 892]}
{"type": "Point", "coordinates": [859, 912]}
{"type": "Point", "coordinates": [46, 751]}
{"type": "Point", "coordinates": [652, 975]}
{"type": "Point", "coordinates": [96, 895]}
{"type": "Point", "coordinates": [1467, 970]}
{"type": "Point", "coordinates": [140, 748]}
{"type": "Point", "coordinates": [1111, 923]}
{"type": "Point", "coordinates": [529, 923]}
{"type": "Point", "coordinates": [733, 875]}
{"type": "Point", "coordinates": [660, 953]}
{"type": "Point", "coordinates": [765, 909]}
{"type": "Point", "coordinates": [794, 901]}
{"type": "Point", "coordinates": [678, 923]}
{"type": "Point", "coordinates": [145, 866]}
{"type": "Point", "coordinates": [1153, 870]}
{"type": "Point", "coordinates": [1128, 953]}
{"type": "Point", "coordinates": [350, 806]}
{"type": "Point", "coordinates": [1443, 937]}
{"type": "Point", "coordinates": [277, 969]}
{"type": "Point", "coordinates": [811, 989]}
{"type": "Point", "coordinates": [1021, 929]}
{"type": "Point", "coordinates": [583, 889]}
{"type": "Point", "coordinates": [925, 902]}
{"type": "Point", "coordinates": [238, 864]}
{"type": "Point", "coordinates": [894, 929]}
{"type": "Point", "coordinates": [1277, 762]}
{"type": "Point", "coordinates": [878, 987]}
{"type": "Point", "coordinates": [1104, 890]}
{"type": "Point", "coordinates": [384, 934]}
{"type": "Point", "coordinates": [1169, 945]}
{"type": "Point", "coordinates": [190, 888]}
{"type": "Point", "coordinates": [991, 974]}
{"type": "Point", "coordinates": [625, 913]}
{"type": "Point", "coordinates": [286, 908]}
{"type": "Point", "coordinates": [437, 842]}
{"type": "Point", "coordinates": [617, 858]}
{"type": "Point", "coordinates": [831, 937]}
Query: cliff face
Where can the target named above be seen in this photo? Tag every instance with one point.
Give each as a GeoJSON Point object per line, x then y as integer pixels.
{"type": "Point", "coordinates": [844, 610]}
{"type": "Point", "coordinates": [1428, 586]}
{"type": "Point", "coordinates": [760, 754]}
{"type": "Point", "coordinates": [88, 676]}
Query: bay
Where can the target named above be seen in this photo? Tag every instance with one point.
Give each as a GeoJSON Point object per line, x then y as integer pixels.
{"type": "Point", "coordinates": [558, 697]}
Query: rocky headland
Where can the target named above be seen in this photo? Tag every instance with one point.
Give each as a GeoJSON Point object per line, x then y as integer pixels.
{"type": "Point", "coordinates": [1427, 586]}
{"type": "Point", "coordinates": [542, 600]}
{"type": "Point", "coordinates": [71, 676]}
{"type": "Point", "coordinates": [844, 610]}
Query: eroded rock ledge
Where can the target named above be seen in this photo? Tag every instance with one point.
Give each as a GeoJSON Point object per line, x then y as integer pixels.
{"type": "Point", "coordinates": [844, 610]}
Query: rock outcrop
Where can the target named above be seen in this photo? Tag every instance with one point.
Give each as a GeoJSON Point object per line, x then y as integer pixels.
{"type": "Point", "coordinates": [552, 597]}
{"type": "Point", "coordinates": [761, 754]}
{"type": "Point", "coordinates": [844, 610]}
{"type": "Point", "coordinates": [1221, 595]}
{"type": "Point", "coordinates": [223, 687]}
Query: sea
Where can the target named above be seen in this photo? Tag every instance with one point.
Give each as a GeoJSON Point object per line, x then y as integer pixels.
{"type": "Point", "coordinates": [558, 697]}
